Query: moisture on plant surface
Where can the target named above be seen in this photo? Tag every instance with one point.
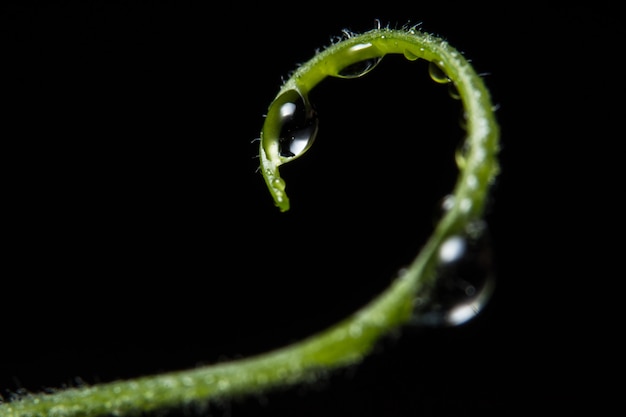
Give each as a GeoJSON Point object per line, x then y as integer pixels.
{"type": "Point", "coordinates": [447, 284]}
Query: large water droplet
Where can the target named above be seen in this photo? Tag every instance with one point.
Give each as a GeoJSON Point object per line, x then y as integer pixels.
{"type": "Point", "coordinates": [298, 123]}
{"type": "Point", "coordinates": [362, 66]}
{"type": "Point", "coordinates": [464, 283]}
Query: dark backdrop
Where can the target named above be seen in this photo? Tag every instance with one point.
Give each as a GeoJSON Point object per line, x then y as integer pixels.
{"type": "Point", "coordinates": [140, 238]}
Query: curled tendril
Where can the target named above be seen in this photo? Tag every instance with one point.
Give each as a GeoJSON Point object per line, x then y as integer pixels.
{"type": "Point", "coordinates": [357, 55]}
{"type": "Point", "coordinates": [288, 132]}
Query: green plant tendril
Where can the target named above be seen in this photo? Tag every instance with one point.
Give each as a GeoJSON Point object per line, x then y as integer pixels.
{"type": "Point", "coordinates": [350, 340]}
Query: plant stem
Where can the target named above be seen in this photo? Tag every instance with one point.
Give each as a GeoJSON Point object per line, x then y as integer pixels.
{"type": "Point", "coordinates": [352, 339]}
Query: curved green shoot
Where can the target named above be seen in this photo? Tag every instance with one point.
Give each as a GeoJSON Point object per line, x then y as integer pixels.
{"type": "Point", "coordinates": [350, 340]}
{"type": "Point", "coordinates": [481, 142]}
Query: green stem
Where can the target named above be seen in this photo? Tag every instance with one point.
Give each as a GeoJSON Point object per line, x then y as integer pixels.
{"type": "Point", "coordinates": [350, 340]}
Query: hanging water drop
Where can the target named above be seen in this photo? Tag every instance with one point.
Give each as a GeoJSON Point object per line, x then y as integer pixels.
{"type": "Point", "coordinates": [460, 155]}
{"type": "Point", "coordinates": [464, 281]}
{"type": "Point", "coordinates": [463, 119]}
{"type": "Point", "coordinates": [358, 69]}
{"type": "Point", "coordinates": [365, 57]}
{"type": "Point", "coordinates": [295, 122]}
{"type": "Point", "coordinates": [453, 91]}
{"type": "Point", "coordinates": [437, 73]}
{"type": "Point", "coordinates": [410, 55]}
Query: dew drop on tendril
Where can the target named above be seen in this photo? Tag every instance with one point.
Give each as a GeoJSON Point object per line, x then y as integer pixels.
{"type": "Point", "coordinates": [410, 55]}
{"type": "Point", "coordinates": [361, 66]}
{"type": "Point", "coordinates": [445, 205]}
{"type": "Point", "coordinates": [437, 74]}
{"type": "Point", "coordinates": [358, 69]}
{"type": "Point", "coordinates": [297, 121]}
{"type": "Point", "coordinates": [460, 155]}
{"type": "Point", "coordinates": [463, 119]}
{"type": "Point", "coordinates": [464, 281]}
{"type": "Point", "coordinates": [453, 91]}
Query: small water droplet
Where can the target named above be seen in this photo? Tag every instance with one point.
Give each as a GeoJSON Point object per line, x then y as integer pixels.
{"type": "Point", "coordinates": [464, 283]}
{"type": "Point", "coordinates": [355, 330]}
{"type": "Point", "coordinates": [460, 155]}
{"type": "Point", "coordinates": [453, 91]}
{"type": "Point", "coordinates": [410, 55]}
{"type": "Point", "coordinates": [472, 182]}
{"type": "Point", "coordinates": [445, 205]}
{"type": "Point", "coordinates": [437, 73]}
{"type": "Point", "coordinates": [447, 202]}
{"type": "Point", "coordinates": [358, 69]}
{"type": "Point", "coordinates": [297, 123]}
{"type": "Point", "coordinates": [463, 119]}
{"type": "Point", "coordinates": [465, 205]}
{"type": "Point", "coordinates": [402, 272]}
{"type": "Point", "coordinates": [361, 66]}
{"type": "Point", "coordinates": [279, 183]}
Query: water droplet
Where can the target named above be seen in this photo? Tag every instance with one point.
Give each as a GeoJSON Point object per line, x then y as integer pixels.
{"type": "Point", "coordinates": [472, 182]}
{"type": "Point", "coordinates": [410, 55]}
{"type": "Point", "coordinates": [463, 119]}
{"type": "Point", "coordinates": [465, 205]}
{"type": "Point", "coordinates": [279, 183]}
{"type": "Point", "coordinates": [355, 330]}
{"type": "Point", "coordinates": [359, 69]}
{"type": "Point", "coordinates": [464, 283]}
{"type": "Point", "coordinates": [402, 272]}
{"type": "Point", "coordinates": [445, 205]}
{"type": "Point", "coordinates": [460, 155]}
{"type": "Point", "coordinates": [297, 123]}
{"type": "Point", "coordinates": [447, 202]}
{"type": "Point", "coordinates": [361, 66]}
{"type": "Point", "coordinates": [437, 73]}
{"type": "Point", "coordinates": [453, 91]}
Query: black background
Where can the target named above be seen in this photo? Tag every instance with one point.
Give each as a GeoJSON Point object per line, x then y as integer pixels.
{"type": "Point", "coordinates": [139, 237]}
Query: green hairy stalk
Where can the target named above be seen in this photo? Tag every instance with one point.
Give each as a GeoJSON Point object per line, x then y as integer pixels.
{"type": "Point", "coordinates": [289, 130]}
